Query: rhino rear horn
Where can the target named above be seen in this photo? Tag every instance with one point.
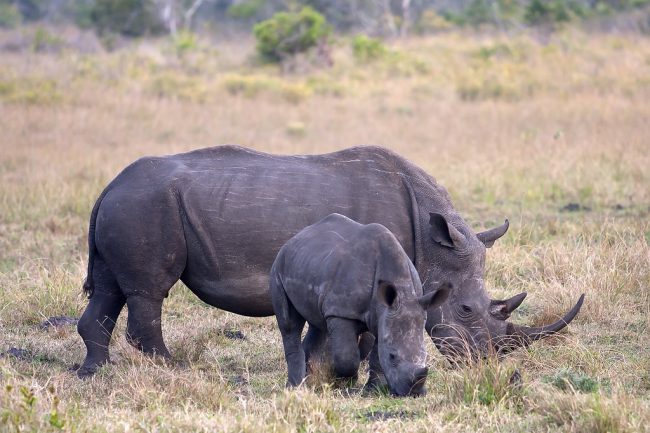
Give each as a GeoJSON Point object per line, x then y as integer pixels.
{"type": "Point", "coordinates": [489, 236]}
{"type": "Point", "coordinates": [502, 309]}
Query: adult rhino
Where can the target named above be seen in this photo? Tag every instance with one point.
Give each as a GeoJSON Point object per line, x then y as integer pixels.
{"type": "Point", "coordinates": [216, 218]}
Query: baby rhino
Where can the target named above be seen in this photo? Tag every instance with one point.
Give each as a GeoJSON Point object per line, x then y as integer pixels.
{"type": "Point", "coordinates": [346, 278]}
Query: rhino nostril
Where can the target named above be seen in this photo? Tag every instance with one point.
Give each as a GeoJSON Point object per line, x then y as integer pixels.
{"type": "Point", "coordinates": [421, 373]}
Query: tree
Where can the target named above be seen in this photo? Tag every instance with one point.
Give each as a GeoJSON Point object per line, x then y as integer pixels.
{"type": "Point", "coordinates": [286, 34]}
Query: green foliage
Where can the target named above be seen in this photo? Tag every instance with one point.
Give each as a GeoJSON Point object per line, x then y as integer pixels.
{"type": "Point", "coordinates": [481, 12]}
{"type": "Point", "coordinates": [286, 34]}
{"type": "Point", "coordinates": [246, 9]}
{"type": "Point", "coordinates": [127, 17]}
{"type": "Point", "coordinates": [185, 42]}
{"type": "Point", "coordinates": [81, 13]}
{"type": "Point", "coordinates": [547, 12]}
{"type": "Point", "coordinates": [251, 86]}
{"type": "Point", "coordinates": [366, 49]}
{"type": "Point", "coordinates": [9, 15]}
{"type": "Point", "coordinates": [431, 22]}
{"type": "Point", "coordinates": [568, 379]}
{"type": "Point", "coordinates": [45, 40]}
{"type": "Point", "coordinates": [29, 90]}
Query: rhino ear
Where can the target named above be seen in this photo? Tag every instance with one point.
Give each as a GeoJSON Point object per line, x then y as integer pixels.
{"type": "Point", "coordinates": [387, 293]}
{"type": "Point", "coordinates": [436, 297]}
{"type": "Point", "coordinates": [444, 233]}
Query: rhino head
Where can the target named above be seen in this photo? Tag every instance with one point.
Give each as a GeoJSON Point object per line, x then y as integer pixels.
{"type": "Point", "coordinates": [400, 340]}
{"type": "Point", "coordinates": [471, 324]}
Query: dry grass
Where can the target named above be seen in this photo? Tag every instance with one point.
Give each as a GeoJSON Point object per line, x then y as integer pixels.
{"type": "Point", "coordinates": [512, 128]}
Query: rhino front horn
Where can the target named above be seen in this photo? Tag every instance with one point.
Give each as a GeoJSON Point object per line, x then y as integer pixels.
{"type": "Point", "coordinates": [525, 335]}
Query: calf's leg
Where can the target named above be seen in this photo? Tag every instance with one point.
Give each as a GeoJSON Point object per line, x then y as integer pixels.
{"type": "Point", "coordinates": [343, 345]}
{"type": "Point", "coordinates": [291, 324]}
{"type": "Point", "coordinates": [313, 343]}
{"type": "Point", "coordinates": [376, 378]}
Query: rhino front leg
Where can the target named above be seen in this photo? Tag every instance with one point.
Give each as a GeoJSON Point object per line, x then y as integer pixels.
{"type": "Point", "coordinates": [343, 346]}
{"type": "Point", "coordinates": [376, 378]}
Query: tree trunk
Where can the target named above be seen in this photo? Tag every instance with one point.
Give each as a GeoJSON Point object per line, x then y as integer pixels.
{"type": "Point", "coordinates": [406, 18]}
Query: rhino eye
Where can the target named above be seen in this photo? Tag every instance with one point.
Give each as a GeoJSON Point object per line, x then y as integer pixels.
{"type": "Point", "coordinates": [466, 309]}
{"type": "Point", "coordinates": [393, 358]}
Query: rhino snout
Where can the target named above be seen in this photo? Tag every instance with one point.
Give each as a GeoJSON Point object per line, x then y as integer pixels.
{"type": "Point", "coordinates": [412, 384]}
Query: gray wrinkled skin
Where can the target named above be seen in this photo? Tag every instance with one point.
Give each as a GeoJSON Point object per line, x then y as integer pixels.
{"type": "Point", "coordinates": [345, 278]}
{"type": "Point", "coordinates": [215, 218]}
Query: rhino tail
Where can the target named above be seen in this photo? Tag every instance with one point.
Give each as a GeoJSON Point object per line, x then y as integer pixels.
{"type": "Point", "coordinates": [89, 285]}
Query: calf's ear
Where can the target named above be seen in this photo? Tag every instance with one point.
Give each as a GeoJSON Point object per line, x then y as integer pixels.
{"type": "Point", "coordinates": [444, 233]}
{"type": "Point", "coordinates": [436, 297]}
{"type": "Point", "coordinates": [387, 294]}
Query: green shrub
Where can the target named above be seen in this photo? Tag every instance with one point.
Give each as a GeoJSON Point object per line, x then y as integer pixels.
{"type": "Point", "coordinates": [286, 34]}
{"type": "Point", "coordinates": [246, 9]}
{"type": "Point", "coordinates": [366, 49]}
{"type": "Point", "coordinates": [547, 12]}
{"type": "Point", "coordinates": [29, 90]}
{"type": "Point", "coordinates": [568, 379]}
{"type": "Point", "coordinates": [431, 22]}
{"type": "Point", "coordinates": [9, 15]}
{"type": "Point", "coordinates": [45, 40]}
{"type": "Point", "coordinates": [127, 17]}
{"type": "Point", "coordinates": [185, 42]}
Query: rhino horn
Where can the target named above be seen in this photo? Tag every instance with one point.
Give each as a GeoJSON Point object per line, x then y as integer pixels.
{"type": "Point", "coordinates": [489, 236]}
{"type": "Point", "coordinates": [502, 309]}
{"type": "Point", "coordinates": [524, 335]}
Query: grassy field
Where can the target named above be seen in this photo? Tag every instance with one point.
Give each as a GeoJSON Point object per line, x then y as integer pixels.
{"type": "Point", "coordinates": [554, 136]}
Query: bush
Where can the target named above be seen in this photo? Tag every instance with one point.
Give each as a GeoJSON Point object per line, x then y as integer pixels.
{"type": "Point", "coordinates": [431, 22]}
{"type": "Point", "coordinates": [568, 379]}
{"type": "Point", "coordinates": [547, 12]}
{"type": "Point", "coordinates": [366, 49]}
{"type": "Point", "coordinates": [245, 10]}
{"type": "Point", "coordinates": [127, 17]}
{"type": "Point", "coordinates": [9, 15]}
{"type": "Point", "coordinates": [286, 34]}
{"type": "Point", "coordinates": [185, 42]}
{"type": "Point", "coordinates": [46, 41]}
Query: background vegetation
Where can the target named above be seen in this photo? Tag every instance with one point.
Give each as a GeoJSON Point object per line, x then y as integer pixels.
{"type": "Point", "coordinates": [546, 124]}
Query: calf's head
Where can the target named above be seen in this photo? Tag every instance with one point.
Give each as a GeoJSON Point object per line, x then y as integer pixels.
{"type": "Point", "coordinates": [400, 340]}
{"type": "Point", "coordinates": [470, 324]}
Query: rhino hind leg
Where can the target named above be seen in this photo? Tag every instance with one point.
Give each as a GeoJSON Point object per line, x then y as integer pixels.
{"type": "Point", "coordinates": [98, 320]}
{"type": "Point", "coordinates": [291, 324]}
{"type": "Point", "coordinates": [313, 344]}
{"type": "Point", "coordinates": [144, 330]}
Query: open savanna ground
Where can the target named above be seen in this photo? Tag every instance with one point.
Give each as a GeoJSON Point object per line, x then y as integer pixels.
{"type": "Point", "coordinates": [554, 135]}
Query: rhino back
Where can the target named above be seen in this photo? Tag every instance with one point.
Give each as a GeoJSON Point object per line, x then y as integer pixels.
{"type": "Point", "coordinates": [237, 207]}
